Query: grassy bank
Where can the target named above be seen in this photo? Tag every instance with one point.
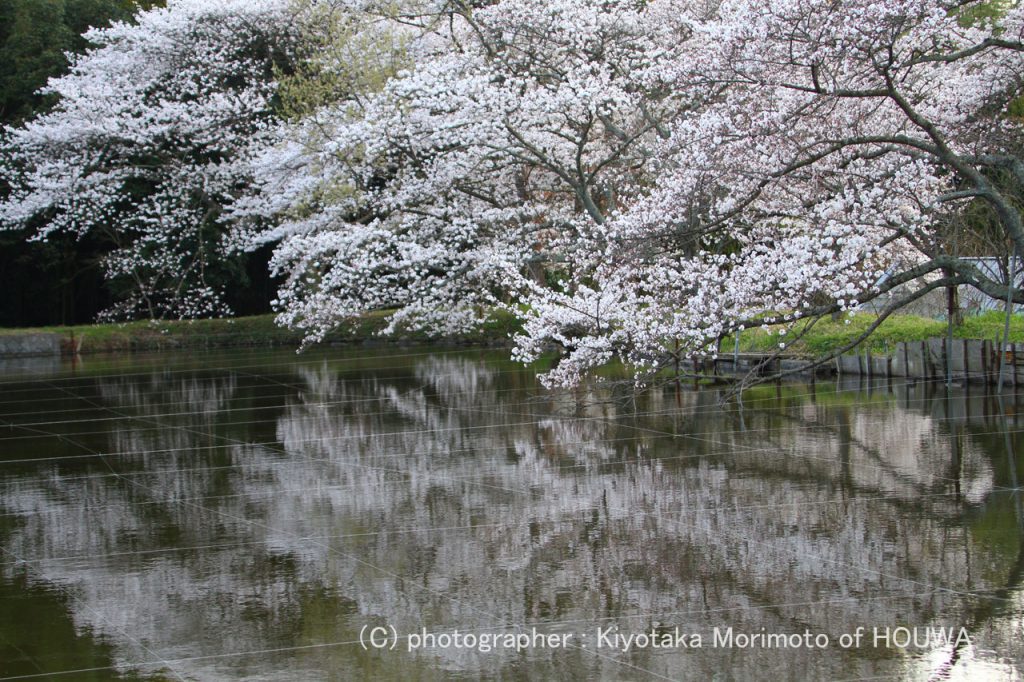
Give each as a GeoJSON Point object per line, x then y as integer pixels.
{"type": "Point", "coordinates": [823, 336]}
{"type": "Point", "coordinates": [827, 335]}
{"type": "Point", "coordinates": [257, 331]}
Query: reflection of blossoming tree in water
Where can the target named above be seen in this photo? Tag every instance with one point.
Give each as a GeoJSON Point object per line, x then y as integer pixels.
{"type": "Point", "coordinates": [435, 493]}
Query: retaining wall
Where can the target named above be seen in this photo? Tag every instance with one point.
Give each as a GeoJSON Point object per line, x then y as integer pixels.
{"type": "Point", "coordinates": [974, 360]}
{"type": "Point", "coordinates": [22, 345]}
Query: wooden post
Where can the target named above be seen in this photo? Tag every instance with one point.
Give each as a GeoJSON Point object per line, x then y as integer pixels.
{"type": "Point", "coordinates": [736, 354]}
{"type": "Point", "coordinates": [984, 361]}
{"type": "Point", "coordinates": [947, 355]}
{"type": "Point", "coordinates": [778, 381]}
{"type": "Point", "coordinates": [967, 364]}
{"type": "Point", "coordinates": [1013, 356]}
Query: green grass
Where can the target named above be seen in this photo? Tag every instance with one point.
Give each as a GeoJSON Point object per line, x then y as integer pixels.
{"type": "Point", "coordinates": [257, 331]}
{"type": "Point", "coordinates": [824, 336]}
{"type": "Point", "coordinates": [827, 335]}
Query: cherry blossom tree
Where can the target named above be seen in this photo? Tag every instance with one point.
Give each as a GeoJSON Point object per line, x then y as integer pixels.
{"type": "Point", "coordinates": [485, 138]}
{"type": "Point", "coordinates": [842, 141]}
{"type": "Point", "coordinates": [639, 179]}
{"type": "Point", "coordinates": [145, 145]}
{"type": "Point", "coordinates": [636, 180]}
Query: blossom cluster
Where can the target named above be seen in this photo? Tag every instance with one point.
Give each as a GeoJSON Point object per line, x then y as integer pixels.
{"type": "Point", "coordinates": [637, 180]}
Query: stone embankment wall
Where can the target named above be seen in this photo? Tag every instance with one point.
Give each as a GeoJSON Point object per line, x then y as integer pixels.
{"type": "Point", "coordinates": [27, 345]}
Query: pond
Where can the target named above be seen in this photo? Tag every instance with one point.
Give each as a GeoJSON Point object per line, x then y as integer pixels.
{"type": "Point", "coordinates": [409, 513]}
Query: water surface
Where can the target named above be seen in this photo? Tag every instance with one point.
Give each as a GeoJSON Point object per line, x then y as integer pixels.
{"type": "Point", "coordinates": [256, 514]}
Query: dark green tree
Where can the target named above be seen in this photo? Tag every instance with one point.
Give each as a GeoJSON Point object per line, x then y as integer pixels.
{"type": "Point", "coordinates": [60, 281]}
